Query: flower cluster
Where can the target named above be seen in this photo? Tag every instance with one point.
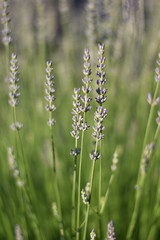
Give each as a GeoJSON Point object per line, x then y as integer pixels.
{"type": "Point", "coordinates": [50, 97]}
{"type": "Point", "coordinates": [99, 116]}
{"type": "Point", "coordinates": [110, 231]}
{"type": "Point", "coordinates": [13, 81]}
{"type": "Point", "coordinates": [94, 155]}
{"type": "Point", "coordinates": [86, 88]}
{"type": "Point", "coordinates": [75, 152]}
{"type": "Point", "coordinates": [92, 234]}
{"type": "Point", "coordinates": [146, 157]}
{"type": "Point", "coordinates": [100, 113]}
{"type": "Point", "coordinates": [157, 70]}
{"type": "Point", "coordinates": [101, 90]}
{"type": "Point", "coordinates": [98, 128]}
{"type": "Point", "coordinates": [114, 162]}
{"type": "Point", "coordinates": [85, 193]}
{"type": "Point", "coordinates": [5, 19]}
{"type": "Point", "coordinates": [76, 112]}
{"type": "Point", "coordinates": [14, 167]}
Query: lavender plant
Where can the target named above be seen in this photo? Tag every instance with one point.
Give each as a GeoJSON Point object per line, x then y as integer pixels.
{"type": "Point", "coordinates": [99, 116]}
{"type": "Point", "coordinates": [50, 108]}
{"type": "Point", "coordinates": [77, 126]}
{"type": "Point", "coordinates": [101, 99]}
{"type": "Point", "coordinates": [14, 101]}
{"type": "Point", "coordinates": [86, 107]}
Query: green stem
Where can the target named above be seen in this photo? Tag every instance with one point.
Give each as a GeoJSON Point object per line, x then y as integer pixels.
{"type": "Point", "coordinates": [157, 205]}
{"type": "Point", "coordinates": [91, 182]}
{"type": "Point", "coordinates": [99, 193]}
{"type": "Point", "coordinates": [79, 183]}
{"type": "Point", "coordinates": [74, 193]}
{"type": "Point", "coordinates": [136, 209]}
{"type": "Point", "coordinates": [56, 187]}
{"type": "Point", "coordinates": [106, 195]}
{"type": "Point", "coordinates": [88, 206]}
{"type": "Point", "coordinates": [25, 167]}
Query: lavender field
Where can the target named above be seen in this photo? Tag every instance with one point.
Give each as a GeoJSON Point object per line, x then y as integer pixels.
{"type": "Point", "coordinates": [80, 119]}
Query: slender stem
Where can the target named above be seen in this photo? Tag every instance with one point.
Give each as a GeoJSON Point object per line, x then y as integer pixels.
{"type": "Point", "coordinates": [59, 207]}
{"type": "Point", "coordinates": [74, 193]}
{"type": "Point", "coordinates": [79, 182]}
{"type": "Point", "coordinates": [106, 195]}
{"type": "Point", "coordinates": [88, 206]}
{"type": "Point", "coordinates": [99, 193]}
{"type": "Point", "coordinates": [56, 187]}
{"type": "Point", "coordinates": [156, 133]}
{"type": "Point", "coordinates": [25, 164]}
{"type": "Point", "coordinates": [91, 182]}
{"type": "Point", "coordinates": [136, 209]}
{"type": "Point", "coordinates": [157, 205]}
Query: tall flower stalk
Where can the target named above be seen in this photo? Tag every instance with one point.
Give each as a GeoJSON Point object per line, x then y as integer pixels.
{"type": "Point", "coordinates": [86, 89]}
{"type": "Point", "coordinates": [14, 101]}
{"type": "Point", "coordinates": [50, 107]}
{"type": "Point", "coordinates": [100, 99]}
{"type": "Point", "coordinates": [99, 116]}
{"type": "Point", "coordinates": [14, 95]}
{"type": "Point", "coordinates": [98, 135]}
{"type": "Point", "coordinates": [146, 152]}
{"type": "Point", "coordinates": [75, 133]}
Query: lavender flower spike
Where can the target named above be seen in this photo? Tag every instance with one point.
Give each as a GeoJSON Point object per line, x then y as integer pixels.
{"type": "Point", "coordinates": [110, 231]}
{"type": "Point", "coordinates": [99, 116]}
{"type": "Point", "coordinates": [76, 111]}
{"type": "Point", "coordinates": [13, 81]}
{"type": "Point", "coordinates": [101, 90]}
{"type": "Point", "coordinates": [50, 97]}
{"type": "Point", "coordinates": [86, 88]}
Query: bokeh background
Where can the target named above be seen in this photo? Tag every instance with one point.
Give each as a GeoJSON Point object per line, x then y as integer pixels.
{"type": "Point", "coordinates": [59, 30]}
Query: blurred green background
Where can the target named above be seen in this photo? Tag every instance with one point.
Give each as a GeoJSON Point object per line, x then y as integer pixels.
{"type": "Point", "coordinates": [59, 31]}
